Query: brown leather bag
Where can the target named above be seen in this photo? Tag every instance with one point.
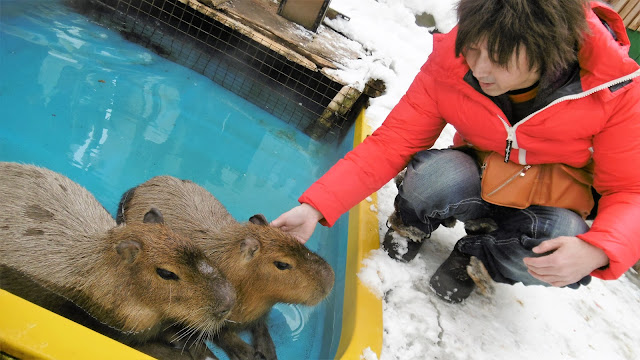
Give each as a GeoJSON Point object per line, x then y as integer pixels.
{"type": "Point", "coordinates": [519, 186]}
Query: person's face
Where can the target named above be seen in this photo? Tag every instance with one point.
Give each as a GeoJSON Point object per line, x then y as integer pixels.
{"type": "Point", "coordinates": [496, 80]}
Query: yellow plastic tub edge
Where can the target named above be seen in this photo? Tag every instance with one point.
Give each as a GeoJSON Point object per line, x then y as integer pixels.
{"type": "Point", "coordinates": [362, 310]}
{"type": "Point", "coordinates": [28, 331]}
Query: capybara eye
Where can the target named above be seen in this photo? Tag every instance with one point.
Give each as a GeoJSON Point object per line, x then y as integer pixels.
{"type": "Point", "coordinates": [282, 265]}
{"type": "Point", "coordinates": [166, 274]}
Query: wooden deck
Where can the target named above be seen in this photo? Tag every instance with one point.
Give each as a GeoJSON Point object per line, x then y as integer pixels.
{"type": "Point", "coordinates": [629, 10]}
{"type": "Point", "coordinates": [324, 50]}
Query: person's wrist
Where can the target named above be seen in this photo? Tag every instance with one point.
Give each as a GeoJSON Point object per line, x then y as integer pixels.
{"type": "Point", "coordinates": [602, 261]}
{"type": "Point", "coordinates": [599, 258]}
{"type": "Point", "coordinates": [313, 212]}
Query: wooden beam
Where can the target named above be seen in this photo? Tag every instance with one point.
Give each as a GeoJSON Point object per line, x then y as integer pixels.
{"type": "Point", "coordinates": [629, 11]}
{"type": "Point", "coordinates": [245, 30]}
{"type": "Point", "coordinates": [633, 19]}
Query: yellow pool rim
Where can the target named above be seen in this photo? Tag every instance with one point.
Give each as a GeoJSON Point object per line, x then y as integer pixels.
{"type": "Point", "coordinates": [362, 310]}
{"type": "Point", "coordinates": [28, 331]}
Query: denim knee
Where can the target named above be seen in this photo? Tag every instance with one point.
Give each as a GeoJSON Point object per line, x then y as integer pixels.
{"type": "Point", "coordinates": [553, 222]}
{"type": "Point", "coordinates": [538, 223]}
{"type": "Point", "coordinates": [434, 173]}
{"type": "Point", "coordinates": [441, 184]}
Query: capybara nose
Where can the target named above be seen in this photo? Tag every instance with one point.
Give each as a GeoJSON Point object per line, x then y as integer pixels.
{"type": "Point", "coordinates": [227, 300]}
{"type": "Point", "coordinates": [224, 312]}
{"type": "Point", "coordinates": [327, 277]}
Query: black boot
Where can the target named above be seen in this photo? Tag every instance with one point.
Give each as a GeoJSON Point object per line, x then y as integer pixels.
{"type": "Point", "coordinates": [584, 282]}
{"type": "Point", "coordinates": [451, 282]}
{"type": "Point", "coordinates": [412, 233]}
{"type": "Point", "coordinates": [393, 248]}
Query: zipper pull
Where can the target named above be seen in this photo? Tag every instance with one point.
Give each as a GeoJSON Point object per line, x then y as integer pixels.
{"type": "Point", "coordinates": [507, 150]}
{"type": "Point", "coordinates": [511, 135]}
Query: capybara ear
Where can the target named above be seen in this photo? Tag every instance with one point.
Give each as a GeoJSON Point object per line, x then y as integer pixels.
{"type": "Point", "coordinates": [259, 219]}
{"type": "Point", "coordinates": [249, 248]}
{"type": "Point", "coordinates": [128, 250]}
{"type": "Point", "coordinates": [124, 203]}
{"type": "Point", "coordinates": [153, 216]}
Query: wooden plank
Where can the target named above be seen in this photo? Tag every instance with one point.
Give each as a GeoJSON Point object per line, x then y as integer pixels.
{"type": "Point", "coordinates": [617, 5]}
{"type": "Point", "coordinates": [635, 24]}
{"type": "Point", "coordinates": [627, 9]}
{"type": "Point", "coordinates": [633, 18]}
{"type": "Point", "coordinates": [258, 19]}
{"type": "Point", "coordinates": [213, 3]}
{"type": "Point", "coordinates": [246, 30]}
{"type": "Point", "coordinates": [326, 48]}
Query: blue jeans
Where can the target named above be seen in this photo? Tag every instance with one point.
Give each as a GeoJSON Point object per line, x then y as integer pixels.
{"type": "Point", "coordinates": [446, 183]}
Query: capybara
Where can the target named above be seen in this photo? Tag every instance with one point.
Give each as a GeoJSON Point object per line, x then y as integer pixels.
{"type": "Point", "coordinates": [265, 265]}
{"type": "Point", "coordinates": [61, 249]}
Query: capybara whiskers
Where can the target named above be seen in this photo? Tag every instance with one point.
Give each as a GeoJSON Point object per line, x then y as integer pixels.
{"type": "Point", "coordinates": [61, 249]}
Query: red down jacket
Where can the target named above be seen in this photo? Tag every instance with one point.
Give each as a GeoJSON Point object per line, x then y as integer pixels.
{"type": "Point", "coordinates": [601, 122]}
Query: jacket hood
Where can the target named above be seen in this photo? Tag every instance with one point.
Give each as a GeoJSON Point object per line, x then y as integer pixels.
{"type": "Point", "coordinates": [603, 58]}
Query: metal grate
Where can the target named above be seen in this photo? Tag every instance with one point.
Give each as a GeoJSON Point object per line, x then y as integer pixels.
{"type": "Point", "coordinates": [307, 99]}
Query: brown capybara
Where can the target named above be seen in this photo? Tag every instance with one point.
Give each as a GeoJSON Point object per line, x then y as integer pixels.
{"type": "Point", "coordinates": [265, 265]}
{"type": "Point", "coordinates": [62, 250]}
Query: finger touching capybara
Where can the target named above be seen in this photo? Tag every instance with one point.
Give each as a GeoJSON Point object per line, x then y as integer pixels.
{"type": "Point", "coordinates": [265, 265]}
{"type": "Point", "coordinates": [58, 244]}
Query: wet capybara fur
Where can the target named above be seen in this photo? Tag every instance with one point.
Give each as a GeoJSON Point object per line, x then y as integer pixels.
{"type": "Point", "coordinates": [60, 249]}
{"type": "Point", "coordinates": [265, 265]}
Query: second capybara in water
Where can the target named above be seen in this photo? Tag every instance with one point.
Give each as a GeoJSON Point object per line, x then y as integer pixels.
{"type": "Point", "coordinates": [265, 265]}
{"type": "Point", "coordinates": [60, 249]}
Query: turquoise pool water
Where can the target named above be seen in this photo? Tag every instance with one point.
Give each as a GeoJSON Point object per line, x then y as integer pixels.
{"type": "Point", "coordinates": [79, 99]}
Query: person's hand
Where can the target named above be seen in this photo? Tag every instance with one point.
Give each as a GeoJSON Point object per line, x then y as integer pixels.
{"type": "Point", "coordinates": [570, 260]}
{"type": "Point", "coordinates": [300, 222]}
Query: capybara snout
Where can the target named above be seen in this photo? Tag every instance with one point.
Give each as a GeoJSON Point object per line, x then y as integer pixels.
{"type": "Point", "coordinates": [172, 274]}
{"type": "Point", "coordinates": [288, 270]}
{"type": "Point", "coordinates": [264, 264]}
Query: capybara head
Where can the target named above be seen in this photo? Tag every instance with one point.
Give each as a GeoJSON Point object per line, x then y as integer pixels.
{"type": "Point", "coordinates": [164, 279]}
{"type": "Point", "coordinates": [264, 264]}
{"type": "Point", "coordinates": [268, 266]}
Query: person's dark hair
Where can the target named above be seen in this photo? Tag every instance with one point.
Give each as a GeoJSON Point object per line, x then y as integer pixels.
{"type": "Point", "coordinates": [549, 30]}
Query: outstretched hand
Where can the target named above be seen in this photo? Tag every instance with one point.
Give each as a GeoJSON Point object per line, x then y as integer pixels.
{"type": "Point", "coordinates": [569, 260]}
{"type": "Point", "coordinates": [300, 222]}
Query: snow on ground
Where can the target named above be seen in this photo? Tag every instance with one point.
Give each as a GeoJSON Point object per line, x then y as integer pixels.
{"type": "Point", "coordinates": [600, 321]}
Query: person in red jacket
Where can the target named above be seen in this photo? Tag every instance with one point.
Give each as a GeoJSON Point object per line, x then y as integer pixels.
{"type": "Point", "coordinates": [542, 85]}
